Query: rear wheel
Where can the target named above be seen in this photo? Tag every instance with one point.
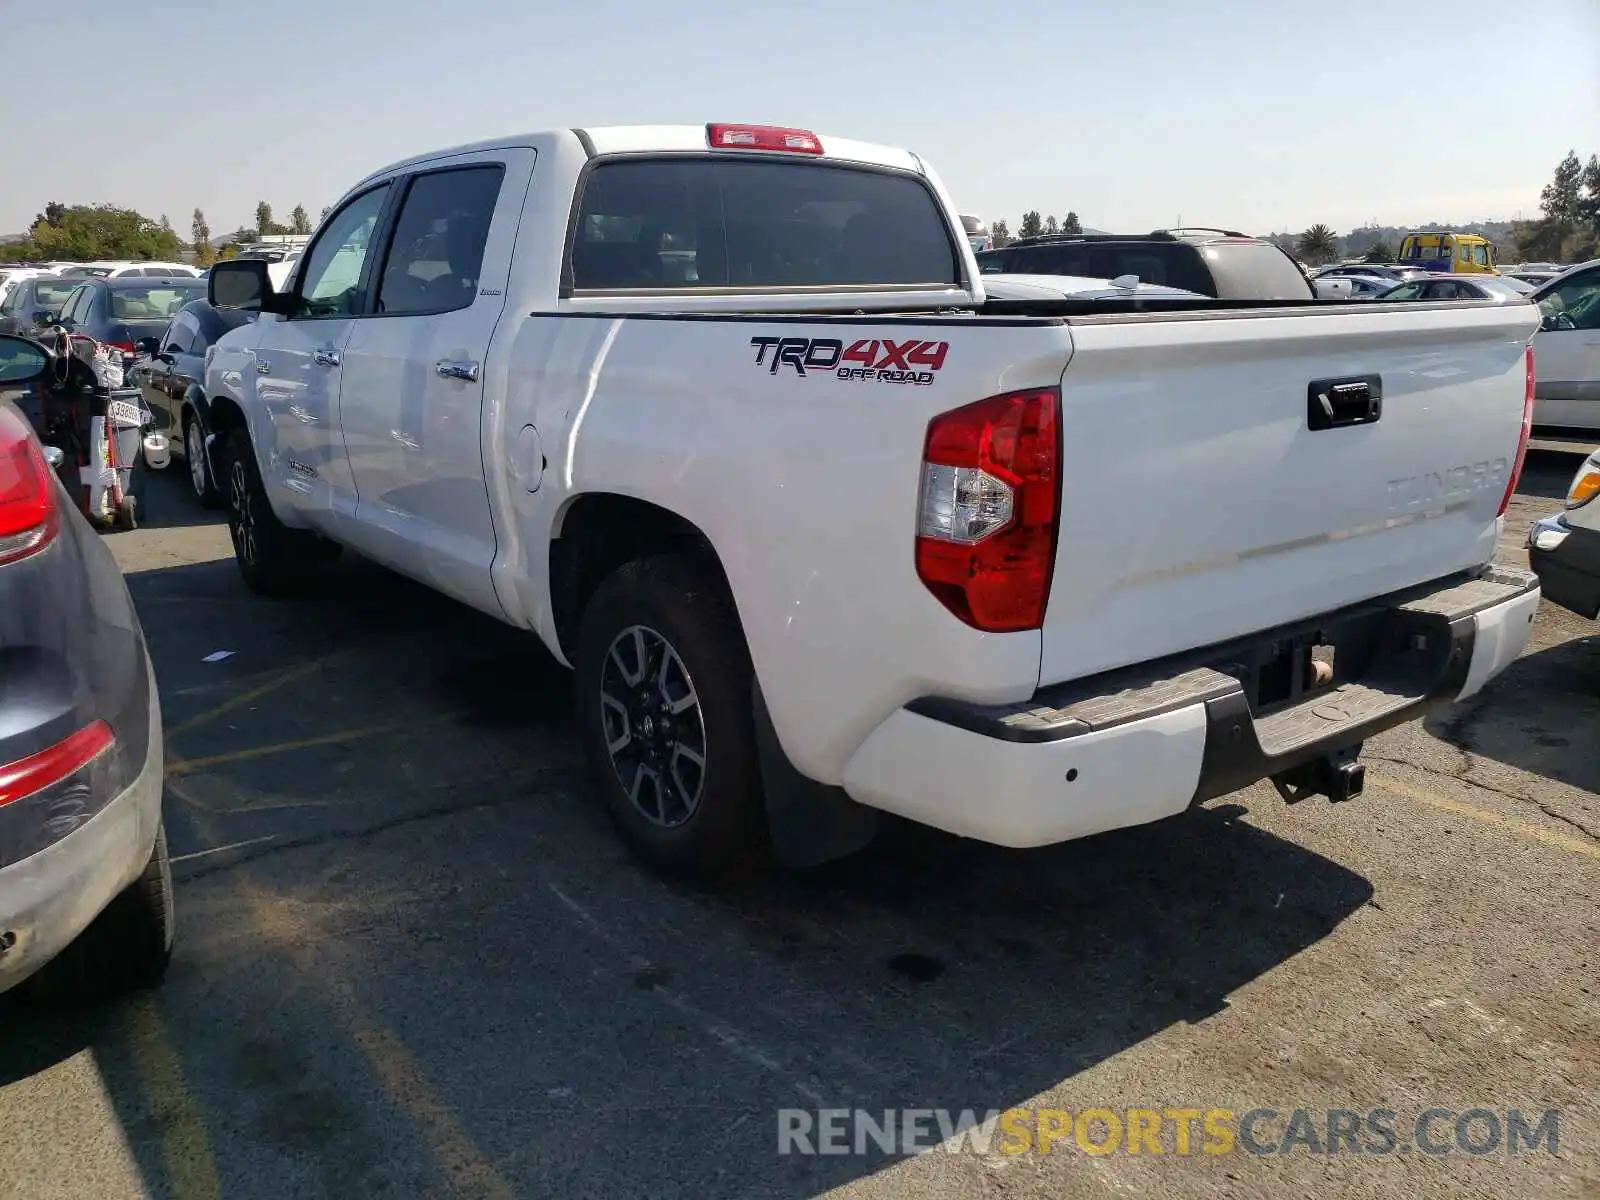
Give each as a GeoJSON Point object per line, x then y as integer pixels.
{"type": "Point", "coordinates": [126, 948]}
{"type": "Point", "coordinates": [274, 559]}
{"type": "Point", "coordinates": [664, 698]}
{"type": "Point", "coordinates": [194, 451]}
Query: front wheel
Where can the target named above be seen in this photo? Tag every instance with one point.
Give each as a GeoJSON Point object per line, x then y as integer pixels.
{"type": "Point", "coordinates": [274, 559]}
{"type": "Point", "coordinates": [664, 699]}
{"type": "Point", "coordinates": [194, 452]}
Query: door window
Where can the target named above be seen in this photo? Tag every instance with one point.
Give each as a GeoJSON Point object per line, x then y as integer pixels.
{"type": "Point", "coordinates": [77, 307]}
{"type": "Point", "coordinates": [1480, 255]}
{"type": "Point", "coordinates": [330, 285]}
{"type": "Point", "coordinates": [436, 253]}
{"type": "Point", "coordinates": [1575, 304]}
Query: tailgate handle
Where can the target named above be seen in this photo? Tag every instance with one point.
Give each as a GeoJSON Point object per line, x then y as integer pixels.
{"type": "Point", "coordinates": [1335, 403]}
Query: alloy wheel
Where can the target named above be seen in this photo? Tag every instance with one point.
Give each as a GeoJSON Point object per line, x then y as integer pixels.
{"type": "Point", "coordinates": [244, 525]}
{"type": "Point", "coordinates": [194, 448]}
{"type": "Point", "coordinates": [654, 729]}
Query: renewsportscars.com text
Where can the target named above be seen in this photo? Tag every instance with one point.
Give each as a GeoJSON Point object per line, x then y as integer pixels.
{"type": "Point", "coordinates": [1181, 1131]}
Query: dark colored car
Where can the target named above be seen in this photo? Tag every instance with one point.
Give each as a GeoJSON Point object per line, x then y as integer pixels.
{"type": "Point", "coordinates": [1460, 287]}
{"type": "Point", "coordinates": [172, 382]}
{"type": "Point", "coordinates": [1212, 262]}
{"type": "Point", "coordinates": [27, 298]}
{"type": "Point", "coordinates": [85, 881]}
{"type": "Point", "coordinates": [119, 312]}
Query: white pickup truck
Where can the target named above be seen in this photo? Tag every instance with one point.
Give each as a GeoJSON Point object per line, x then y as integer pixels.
{"type": "Point", "coordinates": [724, 416]}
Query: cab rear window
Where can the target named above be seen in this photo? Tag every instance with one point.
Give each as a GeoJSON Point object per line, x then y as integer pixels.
{"type": "Point", "coordinates": [689, 223]}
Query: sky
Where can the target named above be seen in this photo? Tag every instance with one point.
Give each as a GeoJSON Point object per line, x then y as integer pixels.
{"type": "Point", "coordinates": [1264, 115]}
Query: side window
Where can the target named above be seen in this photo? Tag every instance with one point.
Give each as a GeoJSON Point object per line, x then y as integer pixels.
{"type": "Point", "coordinates": [12, 303]}
{"type": "Point", "coordinates": [77, 306]}
{"type": "Point", "coordinates": [437, 251]}
{"type": "Point", "coordinates": [1575, 304]}
{"type": "Point", "coordinates": [330, 285]}
{"type": "Point", "coordinates": [1480, 255]}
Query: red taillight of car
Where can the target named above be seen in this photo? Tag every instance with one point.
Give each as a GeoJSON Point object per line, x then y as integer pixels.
{"type": "Point", "coordinates": [51, 766]}
{"type": "Point", "coordinates": [762, 137]}
{"type": "Point", "coordinates": [1522, 438]}
{"type": "Point", "coordinates": [125, 347]}
{"type": "Point", "coordinates": [986, 522]}
{"type": "Point", "coordinates": [29, 515]}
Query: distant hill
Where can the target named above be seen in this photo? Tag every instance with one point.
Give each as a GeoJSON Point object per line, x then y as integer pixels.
{"type": "Point", "coordinates": [1357, 241]}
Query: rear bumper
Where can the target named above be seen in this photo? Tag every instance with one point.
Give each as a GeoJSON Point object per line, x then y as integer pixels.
{"type": "Point", "coordinates": [1567, 560]}
{"type": "Point", "coordinates": [50, 897]}
{"type": "Point", "coordinates": [1137, 745]}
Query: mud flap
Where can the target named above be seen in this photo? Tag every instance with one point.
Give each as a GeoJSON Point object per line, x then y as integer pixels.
{"type": "Point", "coordinates": [811, 823]}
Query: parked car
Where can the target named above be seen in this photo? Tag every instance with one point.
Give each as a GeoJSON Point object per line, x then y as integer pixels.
{"type": "Point", "coordinates": [122, 270]}
{"type": "Point", "coordinates": [693, 485]}
{"type": "Point", "coordinates": [170, 377]}
{"type": "Point", "coordinates": [120, 311]}
{"type": "Point", "coordinates": [1063, 287]}
{"type": "Point", "coordinates": [1532, 278]}
{"type": "Point", "coordinates": [1567, 351]}
{"type": "Point", "coordinates": [85, 881]}
{"type": "Point", "coordinates": [1218, 263]}
{"type": "Point", "coordinates": [1564, 550]}
{"type": "Point", "coordinates": [1439, 286]}
{"type": "Point", "coordinates": [28, 299]}
{"type": "Point", "coordinates": [1351, 287]}
{"type": "Point", "coordinates": [1370, 270]}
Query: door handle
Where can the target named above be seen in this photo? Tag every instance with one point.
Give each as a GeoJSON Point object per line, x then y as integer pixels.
{"type": "Point", "coordinates": [325, 358]}
{"type": "Point", "coordinates": [1338, 403]}
{"type": "Point", "coordinates": [452, 368]}
{"type": "Point", "coordinates": [263, 367]}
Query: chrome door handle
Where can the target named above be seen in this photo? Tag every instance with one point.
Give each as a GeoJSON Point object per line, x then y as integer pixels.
{"type": "Point", "coordinates": [263, 367]}
{"type": "Point", "coordinates": [325, 358]}
{"type": "Point", "coordinates": [452, 368]}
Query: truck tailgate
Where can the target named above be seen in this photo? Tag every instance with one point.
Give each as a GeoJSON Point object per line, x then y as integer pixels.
{"type": "Point", "coordinates": [1200, 503]}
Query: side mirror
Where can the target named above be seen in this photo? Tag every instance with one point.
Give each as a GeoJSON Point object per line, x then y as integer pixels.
{"type": "Point", "coordinates": [44, 316]}
{"type": "Point", "coordinates": [21, 361]}
{"type": "Point", "coordinates": [243, 283]}
{"type": "Point", "coordinates": [148, 345]}
{"type": "Point", "coordinates": [54, 457]}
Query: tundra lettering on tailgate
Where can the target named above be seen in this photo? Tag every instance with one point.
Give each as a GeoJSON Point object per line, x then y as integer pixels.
{"type": "Point", "coordinates": [1449, 486]}
{"type": "Point", "coordinates": [872, 360]}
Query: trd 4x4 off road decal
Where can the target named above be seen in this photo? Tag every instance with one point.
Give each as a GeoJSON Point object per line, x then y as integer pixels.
{"type": "Point", "coordinates": [874, 360]}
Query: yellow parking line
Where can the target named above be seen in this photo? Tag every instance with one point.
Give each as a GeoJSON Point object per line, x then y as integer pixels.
{"type": "Point", "coordinates": [189, 766]}
{"type": "Point", "coordinates": [191, 1170]}
{"type": "Point", "coordinates": [271, 685]}
{"type": "Point", "coordinates": [1532, 833]}
{"type": "Point", "coordinates": [469, 1171]}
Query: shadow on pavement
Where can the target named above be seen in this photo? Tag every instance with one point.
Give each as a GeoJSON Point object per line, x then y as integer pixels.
{"type": "Point", "coordinates": [1539, 716]}
{"type": "Point", "coordinates": [494, 992]}
{"type": "Point", "coordinates": [1548, 474]}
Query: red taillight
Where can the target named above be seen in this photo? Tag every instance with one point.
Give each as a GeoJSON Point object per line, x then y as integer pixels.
{"type": "Point", "coordinates": [1522, 439]}
{"type": "Point", "coordinates": [125, 347]}
{"type": "Point", "coordinates": [762, 137]}
{"type": "Point", "coordinates": [29, 517]}
{"type": "Point", "coordinates": [50, 766]}
{"type": "Point", "coordinates": [986, 526]}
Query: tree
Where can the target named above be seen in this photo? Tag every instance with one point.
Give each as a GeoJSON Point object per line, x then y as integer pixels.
{"type": "Point", "coordinates": [1069, 224]}
{"type": "Point", "coordinates": [1000, 232]}
{"type": "Point", "coordinates": [1561, 198]}
{"type": "Point", "coordinates": [264, 222]}
{"type": "Point", "coordinates": [1379, 252]}
{"type": "Point", "coordinates": [298, 221]}
{"type": "Point", "coordinates": [1569, 227]}
{"type": "Point", "coordinates": [1318, 245]}
{"type": "Point", "coordinates": [1050, 225]}
{"type": "Point", "coordinates": [201, 232]}
{"type": "Point", "coordinates": [89, 231]}
{"type": "Point", "coordinates": [1032, 224]}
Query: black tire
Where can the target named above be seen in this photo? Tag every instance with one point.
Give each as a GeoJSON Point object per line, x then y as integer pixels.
{"type": "Point", "coordinates": [274, 559]}
{"type": "Point", "coordinates": [720, 833]}
{"type": "Point", "coordinates": [125, 949]}
{"type": "Point", "coordinates": [201, 482]}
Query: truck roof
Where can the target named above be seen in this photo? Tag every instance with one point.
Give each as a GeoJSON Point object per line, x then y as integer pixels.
{"type": "Point", "coordinates": [633, 139]}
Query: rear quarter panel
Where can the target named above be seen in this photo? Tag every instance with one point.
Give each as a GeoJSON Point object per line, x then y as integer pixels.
{"type": "Point", "coordinates": [805, 484]}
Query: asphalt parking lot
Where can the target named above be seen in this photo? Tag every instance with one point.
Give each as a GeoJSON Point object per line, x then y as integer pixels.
{"type": "Point", "coordinates": [413, 960]}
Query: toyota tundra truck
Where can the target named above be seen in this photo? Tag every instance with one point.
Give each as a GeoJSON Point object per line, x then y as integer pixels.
{"type": "Point", "coordinates": [724, 416]}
